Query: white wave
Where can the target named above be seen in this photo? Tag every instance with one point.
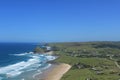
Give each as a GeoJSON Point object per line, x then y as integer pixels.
{"type": "Point", "coordinates": [40, 70]}
{"type": "Point", "coordinates": [49, 65]}
{"type": "Point", "coordinates": [30, 69]}
{"type": "Point", "coordinates": [13, 73]}
{"type": "Point", "coordinates": [50, 58]}
{"type": "Point", "coordinates": [22, 54]}
{"type": "Point", "coordinates": [42, 55]}
{"type": "Point", "coordinates": [31, 52]}
{"type": "Point", "coordinates": [32, 64]}
{"type": "Point", "coordinates": [18, 68]}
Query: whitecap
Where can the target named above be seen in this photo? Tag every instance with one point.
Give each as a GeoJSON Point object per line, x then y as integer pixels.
{"type": "Point", "coordinates": [22, 54]}
{"type": "Point", "coordinates": [33, 63]}
{"type": "Point", "coordinates": [18, 68]}
{"type": "Point", "coordinates": [50, 58]}
{"type": "Point", "coordinates": [13, 73]}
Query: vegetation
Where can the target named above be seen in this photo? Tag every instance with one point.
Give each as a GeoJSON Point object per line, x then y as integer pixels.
{"type": "Point", "coordinates": [39, 50]}
{"type": "Point", "coordinates": [89, 60]}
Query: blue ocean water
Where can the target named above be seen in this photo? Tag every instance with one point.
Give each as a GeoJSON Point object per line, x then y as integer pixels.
{"type": "Point", "coordinates": [7, 49]}
{"type": "Point", "coordinates": [17, 61]}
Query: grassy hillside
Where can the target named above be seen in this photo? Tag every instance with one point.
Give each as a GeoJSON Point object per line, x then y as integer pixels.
{"type": "Point", "coordinates": [90, 60]}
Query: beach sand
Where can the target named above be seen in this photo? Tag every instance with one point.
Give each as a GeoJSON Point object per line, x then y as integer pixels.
{"type": "Point", "coordinates": [49, 53]}
{"type": "Point", "coordinates": [57, 72]}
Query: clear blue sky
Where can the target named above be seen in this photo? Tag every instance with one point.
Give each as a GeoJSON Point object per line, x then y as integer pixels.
{"type": "Point", "coordinates": [59, 20]}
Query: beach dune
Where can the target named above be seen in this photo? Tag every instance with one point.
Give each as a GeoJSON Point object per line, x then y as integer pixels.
{"type": "Point", "coordinates": [57, 72]}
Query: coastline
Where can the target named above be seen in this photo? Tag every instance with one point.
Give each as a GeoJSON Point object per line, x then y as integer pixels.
{"type": "Point", "coordinates": [49, 53]}
{"type": "Point", "coordinates": [56, 72]}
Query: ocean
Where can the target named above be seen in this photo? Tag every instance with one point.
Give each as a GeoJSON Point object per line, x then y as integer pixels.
{"type": "Point", "coordinates": [17, 61]}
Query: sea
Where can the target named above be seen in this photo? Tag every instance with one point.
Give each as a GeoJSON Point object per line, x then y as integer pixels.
{"type": "Point", "coordinates": [18, 62]}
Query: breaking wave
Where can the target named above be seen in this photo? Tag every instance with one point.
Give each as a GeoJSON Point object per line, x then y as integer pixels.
{"type": "Point", "coordinates": [33, 63]}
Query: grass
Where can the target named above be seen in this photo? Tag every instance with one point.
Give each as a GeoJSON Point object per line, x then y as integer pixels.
{"type": "Point", "coordinates": [88, 61]}
{"type": "Point", "coordinates": [103, 64]}
{"type": "Point", "coordinates": [83, 74]}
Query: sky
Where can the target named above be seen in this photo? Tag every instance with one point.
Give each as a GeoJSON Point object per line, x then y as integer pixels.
{"type": "Point", "coordinates": [59, 20]}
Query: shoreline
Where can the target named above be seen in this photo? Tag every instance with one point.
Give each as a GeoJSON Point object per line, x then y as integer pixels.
{"type": "Point", "coordinates": [55, 72]}
{"type": "Point", "coordinates": [49, 53]}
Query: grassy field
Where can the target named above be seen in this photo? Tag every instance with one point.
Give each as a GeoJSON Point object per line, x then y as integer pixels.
{"type": "Point", "coordinates": [109, 73]}
{"type": "Point", "coordinates": [89, 66]}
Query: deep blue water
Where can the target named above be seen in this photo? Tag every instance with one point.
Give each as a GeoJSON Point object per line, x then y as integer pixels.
{"type": "Point", "coordinates": [7, 49]}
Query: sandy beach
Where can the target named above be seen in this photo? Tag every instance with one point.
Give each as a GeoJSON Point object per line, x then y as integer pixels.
{"type": "Point", "coordinates": [57, 72]}
{"type": "Point", "coordinates": [49, 53]}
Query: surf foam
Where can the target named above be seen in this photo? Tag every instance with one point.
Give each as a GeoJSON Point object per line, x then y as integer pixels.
{"type": "Point", "coordinates": [31, 64]}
